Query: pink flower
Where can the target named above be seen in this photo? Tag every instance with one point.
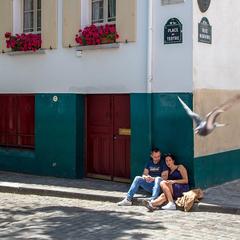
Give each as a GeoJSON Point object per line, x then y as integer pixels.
{"type": "Point", "coordinates": [23, 42]}
{"type": "Point", "coordinates": [92, 35]}
{"type": "Point", "coordinates": [8, 35]}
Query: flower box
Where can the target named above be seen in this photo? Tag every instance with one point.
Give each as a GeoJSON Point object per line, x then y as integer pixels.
{"type": "Point", "coordinates": [96, 35]}
{"type": "Point", "coordinates": [99, 46]}
{"type": "Point", "coordinates": [20, 53]}
{"type": "Point", "coordinates": [23, 42]}
{"type": "Point", "coordinates": [107, 40]}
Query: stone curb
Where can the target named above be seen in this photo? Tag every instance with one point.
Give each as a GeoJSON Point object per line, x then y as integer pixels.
{"type": "Point", "coordinates": [205, 207]}
{"type": "Point", "coordinates": [18, 189]}
{"type": "Point", "coordinates": [58, 193]}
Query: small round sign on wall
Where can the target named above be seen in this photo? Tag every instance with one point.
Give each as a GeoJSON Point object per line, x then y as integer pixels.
{"type": "Point", "coordinates": [204, 5]}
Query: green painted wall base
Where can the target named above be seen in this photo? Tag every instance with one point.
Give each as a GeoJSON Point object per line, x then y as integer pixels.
{"type": "Point", "coordinates": [140, 132]}
{"type": "Point", "coordinates": [172, 129]}
{"type": "Point", "coordinates": [58, 139]}
{"type": "Point", "coordinates": [158, 120]}
{"type": "Point", "coordinates": [18, 160]}
{"type": "Point", "coordinates": [217, 168]}
{"type": "Point", "coordinates": [59, 134]}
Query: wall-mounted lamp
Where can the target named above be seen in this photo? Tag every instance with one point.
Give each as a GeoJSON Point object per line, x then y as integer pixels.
{"type": "Point", "coordinates": [79, 53]}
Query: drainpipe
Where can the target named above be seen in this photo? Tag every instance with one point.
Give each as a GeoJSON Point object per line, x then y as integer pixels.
{"type": "Point", "coordinates": [149, 69]}
{"type": "Point", "coordinates": [149, 47]}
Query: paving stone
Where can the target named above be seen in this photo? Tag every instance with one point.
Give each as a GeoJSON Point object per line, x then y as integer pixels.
{"type": "Point", "coordinates": [38, 217]}
{"type": "Point", "coordinates": [223, 198]}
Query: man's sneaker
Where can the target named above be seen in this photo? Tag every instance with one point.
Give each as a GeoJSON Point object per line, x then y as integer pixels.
{"type": "Point", "coordinates": [169, 206]}
{"type": "Point", "coordinates": [125, 202]}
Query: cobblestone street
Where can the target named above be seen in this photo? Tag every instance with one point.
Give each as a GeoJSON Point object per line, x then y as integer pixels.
{"type": "Point", "coordinates": [36, 217]}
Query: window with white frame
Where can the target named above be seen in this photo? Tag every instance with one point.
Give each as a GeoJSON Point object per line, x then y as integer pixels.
{"type": "Point", "coordinates": [103, 11]}
{"type": "Point", "coordinates": [32, 16]}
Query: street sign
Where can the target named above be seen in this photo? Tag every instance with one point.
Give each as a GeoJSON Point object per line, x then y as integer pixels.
{"type": "Point", "coordinates": [173, 31]}
{"type": "Point", "coordinates": [204, 5]}
{"type": "Point", "coordinates": [204, 31]}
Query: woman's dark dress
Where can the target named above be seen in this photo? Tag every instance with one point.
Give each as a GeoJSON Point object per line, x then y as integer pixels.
{"type": "Point", "coordinates": [178, 189]}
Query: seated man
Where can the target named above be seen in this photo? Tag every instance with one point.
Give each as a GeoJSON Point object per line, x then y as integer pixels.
{"type": "Point", "coordinates": [173, 188]}
{"type": "Point", "coordinates": [154, 172]}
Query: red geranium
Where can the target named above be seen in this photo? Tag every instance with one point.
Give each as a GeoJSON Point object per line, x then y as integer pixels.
{"type": "Point", "coordinates": [23, 42]}
{"type": "Point", "coordinates": [94, 35]}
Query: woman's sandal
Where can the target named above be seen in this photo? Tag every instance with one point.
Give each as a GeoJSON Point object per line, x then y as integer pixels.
{"type": "Point", "coordinates": [148, 205]}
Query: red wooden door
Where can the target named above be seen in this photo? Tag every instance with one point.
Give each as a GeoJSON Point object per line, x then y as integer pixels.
{"type": "Point", "coordinates": [121, 143]}
{"type": "Point", "coordinates": [108, 146]}
{"type": "Point", "coordinates": [99, 135]}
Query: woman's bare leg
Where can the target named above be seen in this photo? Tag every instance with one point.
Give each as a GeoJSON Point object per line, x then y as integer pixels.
{"type": "Point", "coordinates": [167, 190]}
{"type": "Point", "coordinates": [159, 201]}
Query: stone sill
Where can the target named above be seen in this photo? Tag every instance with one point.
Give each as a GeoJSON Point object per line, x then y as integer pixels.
{"type": "Point", "coordinates": [100, 46]}
{"type": "Point", "coordinates": [17, 53]}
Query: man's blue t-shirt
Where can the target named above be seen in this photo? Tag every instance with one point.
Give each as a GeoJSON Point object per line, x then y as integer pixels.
{"type": "Point", "coordinates": [155, 170]}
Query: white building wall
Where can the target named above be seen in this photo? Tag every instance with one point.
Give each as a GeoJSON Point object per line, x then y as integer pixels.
{"type": "Point", "coordinates": [216, 74]}
{"type": "Point", "coordinates": [120, 70]}
{"type": "Point", "coordinates": [172, 62]}
{"type": "Point", "coordinates": [216, 66]}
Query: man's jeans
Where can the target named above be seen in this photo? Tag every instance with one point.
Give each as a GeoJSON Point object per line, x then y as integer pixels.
{"type": "Point", "coordinates": [151, 187]}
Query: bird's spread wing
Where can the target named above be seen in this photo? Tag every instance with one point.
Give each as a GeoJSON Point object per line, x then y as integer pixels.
{"type": "Point", "coordinates": [192, 114]}
{"type": "Point", "coordinates": [211, 117]}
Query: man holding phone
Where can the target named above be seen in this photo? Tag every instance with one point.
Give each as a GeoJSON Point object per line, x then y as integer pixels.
{"type": "Point", "coordinates": [154, 172]}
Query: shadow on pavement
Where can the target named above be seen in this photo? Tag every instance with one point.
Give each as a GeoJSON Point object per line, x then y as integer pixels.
{"type": "Point", "coordinates": [73, 223]}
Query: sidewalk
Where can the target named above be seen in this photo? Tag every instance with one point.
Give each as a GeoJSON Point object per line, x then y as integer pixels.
{"type": "Point", "coordinates": [223, 198]}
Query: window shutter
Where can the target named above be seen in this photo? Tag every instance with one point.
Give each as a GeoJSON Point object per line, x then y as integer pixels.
{"type": "Point", "coordinates": [6, 21]}
{"type": "Point", "coordinates": [17, 16]}
{"type": "Point", "coordinates": [71, 21]}
{"type": "Point", "coordinates": [126, 20]}
{"type": "Point", "coordinates": [49, 24]}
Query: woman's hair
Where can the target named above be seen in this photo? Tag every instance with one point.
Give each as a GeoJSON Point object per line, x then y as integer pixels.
{"type": "Point", "coordinates": [171, 156]}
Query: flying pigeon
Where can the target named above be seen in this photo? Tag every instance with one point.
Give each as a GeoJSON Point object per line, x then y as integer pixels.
{"type": "Point", "coordinates": [206, 125]}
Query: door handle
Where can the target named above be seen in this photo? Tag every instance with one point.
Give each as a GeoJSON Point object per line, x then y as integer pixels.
{"type": "Point", "coordinates": [114, 137]}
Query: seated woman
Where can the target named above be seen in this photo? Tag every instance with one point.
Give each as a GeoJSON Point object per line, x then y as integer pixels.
{"type": "Point", "coordinates": [173, 188]}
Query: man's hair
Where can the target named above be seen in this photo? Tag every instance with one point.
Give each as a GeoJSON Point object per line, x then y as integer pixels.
{"type": "Point", "coordinates": [154, 149]}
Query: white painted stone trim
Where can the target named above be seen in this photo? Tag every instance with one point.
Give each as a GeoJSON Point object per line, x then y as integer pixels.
{"type": "Point", "coordinates": [18, 53]}
{"type": "Point", "coordinates": [100, 46]}
{"type": "Point", "coordinates": [167, 2]}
